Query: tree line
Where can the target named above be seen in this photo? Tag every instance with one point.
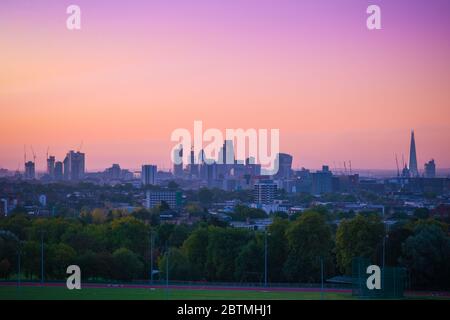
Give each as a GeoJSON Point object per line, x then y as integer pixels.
{"type": "Point", "coordinates": [115, 245]}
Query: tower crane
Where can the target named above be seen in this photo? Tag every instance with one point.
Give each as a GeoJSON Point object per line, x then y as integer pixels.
{"type": "Point", "coordinates": [34, 154]}
{"type": "Point", "coordinates": [398, 169]}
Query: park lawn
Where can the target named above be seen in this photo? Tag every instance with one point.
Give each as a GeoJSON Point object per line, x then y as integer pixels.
{"type": "Point", "coordinates": [62, 293]}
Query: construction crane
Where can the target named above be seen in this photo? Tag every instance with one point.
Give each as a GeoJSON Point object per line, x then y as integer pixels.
{"type": "Point", "coordinates": [398, 169]}
{"type": "Point", "coordinates": [345, 168]}
{"type": "Point", "coordinates": [350, 163]}
{"type": "Point", "coordinates": [34, 154]}
{"type": "Point", "coordinates": [24, 154]}
{"type": "Point", "coordinates": [81, 146]}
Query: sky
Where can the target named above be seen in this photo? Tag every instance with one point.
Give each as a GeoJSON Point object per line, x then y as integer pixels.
{"type": "Point", "coordinates": [137, 70]}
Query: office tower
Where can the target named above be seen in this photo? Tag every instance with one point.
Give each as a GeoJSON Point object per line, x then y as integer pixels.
{"type": "Point", "coordinates": [322, 181]}
{"type": "Point", "coordinates": [114, 172]}
{"type": "Point", "coordinates": [154, 198]}
{"type": "Point", "coordinates": [148, 174]}
{"type": "Point", "coordinates": [414, 172]}
{"type": "Point", "coordinates": [74, 166]}
{"type": "Point", "coordinates": [284, 166]}
{"type": "Point", "coordinates": [252, 167]}
{"type": "Point", "coordinates": [201, 157]}
{"type": "Point", "coordinates": [58, 173]}
{"type": "Point", "coordinates": [226, 153]}
{"type": "Point", "coordinates": [193, 166]}
{"type": "Point", "coordinates": [430, 169]}
{"type": "Point", "coordinates": [51, 167]}
{"type": "Point", "coordinates": [178, 168]}
{"type": "Point", "coordinates": [264, 192]}
{"type": "Point", "coordinates": [3, 207]}
{"type": "Point", "coordinates": [30, 173]}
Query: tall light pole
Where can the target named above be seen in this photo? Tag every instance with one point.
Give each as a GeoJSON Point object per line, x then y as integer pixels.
{"type": "Point", "coordinates": [385, 236]}
{"type": "Point", "coordinates": [265, 257]}
{"type": "Point", "coordinates": [167, 267]}
{"type": "Point", "coordinates": [19, 252]}
{"type": "Point", "coordinates": [42, 258]}
{"type": "Point", "coordinates": [321, 278]}
{"type": "Point", "coordinates": [151, 257]}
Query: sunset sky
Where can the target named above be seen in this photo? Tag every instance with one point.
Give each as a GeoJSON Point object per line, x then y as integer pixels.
{"type": "Point", "coordinates": [137, 70]}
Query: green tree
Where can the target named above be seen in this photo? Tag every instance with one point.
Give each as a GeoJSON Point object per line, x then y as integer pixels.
{"type": "Point", "coordinates": [127, 265]}
{"type": "Point", "coordinates": [164, 231]}
{"type": "Point", "coordinates": [84, 238]}
{"type": "Point", "coordinates": [194, 210]}
{"type": "Point", "coordinates": [179, 267]}
{"type": "Point", "coordinates": [31, 258]}
{"type": "Point", "coordinates": [309, 240]}
{"type": "Point", "coordinates": [131, 233]}
{"type": "Point", "coordinates": [205, 196]}
{"type": "Point", "coordinates": [150, 216]}
{"type": "Point", "coordinates": [242, 213]}
{"type": "Point", "coordinates": [223, 247]}
{"type": "Point", "coordinates": [195, 249]}
{"type": "Point", "coordinates": [277, 249]}
{"type": "Point", "coordinates": [99, 216]}
{"type": "Point", "coordinates": [5, 268]}
{"type": "Point", "coordinates": [179, 235]}
{"type": "Point", "coordinates": [17, 224]}
{"type": "Point", "coordinates": [250, 261]}
{"type": "Point", "coordinates": [427, 256]}
{"type": "Point", "coordinates": [172, 185]}
{"type": "Point", "coordinates": [394, 242]}
{"type": "Point", "coordinates": [358, 237]}
{"type": "Point", "coordinates": [59, 257]}
{"type": "Point", "coordinates": [422, 213]}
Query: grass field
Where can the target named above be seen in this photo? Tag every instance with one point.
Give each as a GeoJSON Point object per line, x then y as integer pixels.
{"type": "Point", "coordinates": [124, 293]}
{"type": "Point", "coordinates": [61, 293]}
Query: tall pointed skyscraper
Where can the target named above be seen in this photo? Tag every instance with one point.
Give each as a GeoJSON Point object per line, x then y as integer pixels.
{"type": "Point", "coordinates": [413, 157]}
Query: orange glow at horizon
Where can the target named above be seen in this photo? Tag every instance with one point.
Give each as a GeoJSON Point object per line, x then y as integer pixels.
{"type": "Point", "coordinates": [123, 92]}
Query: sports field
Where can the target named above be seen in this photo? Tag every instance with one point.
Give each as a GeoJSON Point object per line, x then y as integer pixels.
{"type": "Point", "coordinates": [103, 292]}
{"type": "Point", "coordinates": [123, 293]}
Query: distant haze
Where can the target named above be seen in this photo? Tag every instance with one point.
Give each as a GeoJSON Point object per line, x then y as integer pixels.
{"type": "Point", "coordinates": [137, 70]}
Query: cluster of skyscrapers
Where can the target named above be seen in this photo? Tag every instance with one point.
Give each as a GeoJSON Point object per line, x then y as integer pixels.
{"type": "Point", "coordinates": [227, 173]}
{"type": "Point", "coordinates": [72, 168]}
{"type": "Point", "coordinates": [412, 170]}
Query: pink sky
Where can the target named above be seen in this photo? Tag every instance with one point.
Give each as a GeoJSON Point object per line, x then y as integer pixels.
{"type": "Point", "coordinates": [138, 70]}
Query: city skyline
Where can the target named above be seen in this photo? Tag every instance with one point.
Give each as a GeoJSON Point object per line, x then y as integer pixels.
{"type": "Point", "coordinates": [407, 166]}
{"type": "Point", "coordinates": [134, 73]}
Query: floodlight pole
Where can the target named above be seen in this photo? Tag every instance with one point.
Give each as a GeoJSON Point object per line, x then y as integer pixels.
{"type": "Point", "coordinates": [321, 277]}
{"type": "Point", "coordinates": [151, 257]}
{"type": "Point", "coordinates": [167, 267]}
{"type": "Point", "coordinates": [265, 257]}
{"type": "Point", "coordinates": [385, 236]}
{"type": "Point", "coordinates": [42, 258]}
{"type": "Point", "coordinates": [18, 262]}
